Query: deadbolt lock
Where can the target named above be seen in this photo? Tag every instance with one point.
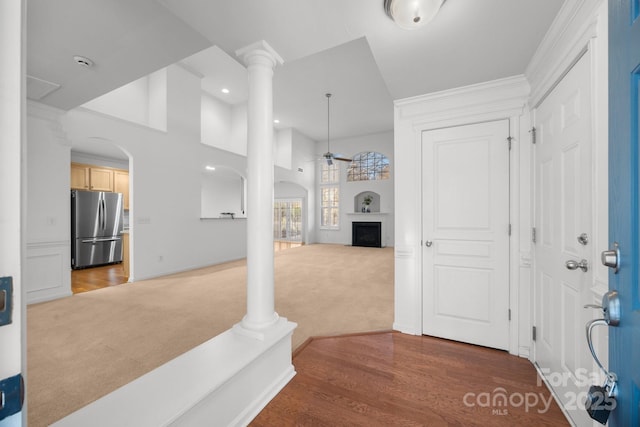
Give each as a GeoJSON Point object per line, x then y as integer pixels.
{"type": "Point", "coordinates": [611, 258]}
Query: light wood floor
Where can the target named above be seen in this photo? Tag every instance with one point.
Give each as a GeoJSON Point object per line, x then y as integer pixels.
{"type": "Point", "coordinates": [392, 379]}
{"type": "Point", "coordinates": [90, 279]}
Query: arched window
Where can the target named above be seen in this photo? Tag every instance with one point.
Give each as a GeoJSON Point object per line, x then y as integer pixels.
{"type": "Point", "coordinates": [368, 166]}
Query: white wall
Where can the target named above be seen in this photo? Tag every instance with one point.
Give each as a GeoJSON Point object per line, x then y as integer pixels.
{"type": "Point", "coordinates": [221, 193]}
{"type": "Point", "coordinates": [48, 254]}
{"type": "Point", "coordinates": [380, 142]}
{"type": "Point", "coordinates": [216, 123]}
{"type": "Point", "coordinates": [91, 159]}
{"type": "Point", "coordinates": [143, 101]}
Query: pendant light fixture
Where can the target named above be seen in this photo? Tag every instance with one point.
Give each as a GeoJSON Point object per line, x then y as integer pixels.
{"type": "Point", "coordinates": [412, 14]}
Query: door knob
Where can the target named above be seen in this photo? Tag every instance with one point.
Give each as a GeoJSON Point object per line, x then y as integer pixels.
{"type": "Point", "coordinates": [574, 265]}
{"type": "Point", "coordinates": [611, 258]}
{"type": "Point", "coordinates": [428, 243]}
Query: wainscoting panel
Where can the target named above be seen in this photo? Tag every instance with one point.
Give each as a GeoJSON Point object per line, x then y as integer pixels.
{"type": "Point", "coordinates": [48, 271]}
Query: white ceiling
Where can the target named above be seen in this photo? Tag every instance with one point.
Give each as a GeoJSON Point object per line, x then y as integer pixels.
{"type": "Point", "coordinates": [347, 47]}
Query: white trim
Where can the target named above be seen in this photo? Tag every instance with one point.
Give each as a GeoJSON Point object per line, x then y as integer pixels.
{"type": "Point", "coordinates": [53, 259]}
{"type": "Point", "coordinates": [494, 100]}
{"type": "Point", "coordinates": [568, 36]}
{"type": "Point", "coordinates": [554, 394]}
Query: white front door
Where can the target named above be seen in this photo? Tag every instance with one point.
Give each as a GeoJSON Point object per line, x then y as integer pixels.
{"type": "Point", "coordinates": [563, 212]}
{"type": "Point", "coordinates": [465, 223]}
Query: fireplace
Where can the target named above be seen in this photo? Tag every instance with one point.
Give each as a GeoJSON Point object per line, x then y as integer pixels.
{"type": "Point", "coordinates": [366, 234]}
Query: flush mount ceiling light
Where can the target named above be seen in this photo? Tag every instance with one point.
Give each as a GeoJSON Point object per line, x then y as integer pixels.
{"type": "Point", "coordinates": [412, 14]}
{"type": "Point", "coordinates": [224, 90]}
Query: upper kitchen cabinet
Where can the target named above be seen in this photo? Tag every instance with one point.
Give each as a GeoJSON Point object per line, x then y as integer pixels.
{"type": "Point", "coordinates": [100, 178]}
{"type": "Point", "coordinates": [79, 177]}
{"type": "Point", "coordinates": [87, 177]}
{"type": "Point", "coordinates": [121, 185]}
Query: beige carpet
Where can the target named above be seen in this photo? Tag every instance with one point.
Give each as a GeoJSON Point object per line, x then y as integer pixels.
{"type": "Point", "coordinates": [82, 347]}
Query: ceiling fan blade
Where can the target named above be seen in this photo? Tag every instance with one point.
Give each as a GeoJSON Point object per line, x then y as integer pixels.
{"type": "Point", "coordinates": [342, 159]}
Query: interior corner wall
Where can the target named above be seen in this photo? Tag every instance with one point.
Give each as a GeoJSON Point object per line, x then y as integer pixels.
{"type": "Point", "coordinates": [496, 100]}
{"type": "Point", "coordinates": [216, 123]}
{"type": "Point", "coordinates": [381, 143]}
{"type": "Point", "coordinates": [48, 224]}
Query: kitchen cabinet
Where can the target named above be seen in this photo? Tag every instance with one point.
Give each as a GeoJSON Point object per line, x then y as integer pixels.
{"type": "Point", "coordinates": [121, 185]}
{"type": "Point", "coordinates": [87, 177]}
{"type": "Point", "coordinates": [79, 177]}
{"type": "Point", "coordinates": [101, 179]}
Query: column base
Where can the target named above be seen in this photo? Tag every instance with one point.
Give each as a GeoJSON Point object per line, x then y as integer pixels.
{"type": "Point", "coordinates": [259, 331]}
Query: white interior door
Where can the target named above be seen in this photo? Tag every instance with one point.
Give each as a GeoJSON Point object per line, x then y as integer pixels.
{"type": "Point", "coordinates": [563, 212]}
{"type": "Point", "coordinates": [465, 215]}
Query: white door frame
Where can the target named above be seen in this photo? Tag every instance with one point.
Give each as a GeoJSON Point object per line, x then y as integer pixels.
{"type": "Point", "coordinates": [495, 100]}
{"type": "Point", "coordinates": [12, 202]}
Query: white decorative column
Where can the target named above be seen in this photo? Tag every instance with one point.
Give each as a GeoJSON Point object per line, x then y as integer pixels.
{"type": "Point", "coordinates": [260, 60]}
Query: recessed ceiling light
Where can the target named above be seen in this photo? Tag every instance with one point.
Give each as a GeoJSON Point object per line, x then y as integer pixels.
{"type": "Point", "coordinates": [225, 90]}
{"type": "Point", "coordinates": [276, 121]}
{"type": "Point", "coordinates": [83, 60]}
{"type": "Point", "coordinates": [210, 168]}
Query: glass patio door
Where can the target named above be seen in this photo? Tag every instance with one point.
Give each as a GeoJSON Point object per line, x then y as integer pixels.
{"type": "Point", "coordinates": [287, 220]}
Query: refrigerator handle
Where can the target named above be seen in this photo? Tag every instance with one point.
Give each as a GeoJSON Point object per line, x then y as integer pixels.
{"type": "Point", "coordinates": [104, 215]}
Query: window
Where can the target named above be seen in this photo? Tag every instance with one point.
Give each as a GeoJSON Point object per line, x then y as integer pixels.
{"type": "Point", "coordinates": [330, 196]}
{"type": "Point", "coordinates": [368, 166]}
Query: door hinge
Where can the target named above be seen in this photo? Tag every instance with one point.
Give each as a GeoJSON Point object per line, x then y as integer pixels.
{"type": "Point", "coordinates": [533, 333]}
{"type": "Point", "coordinates": [509, 139]}
{"type": "Point", "coordinates": [533, 135]}
{"type": "Point", "coordinates": [509, 314]}
{"type": "Point", "coordinates": [533, 234]}
{"type": "Point", "coordinates": [509, 229]}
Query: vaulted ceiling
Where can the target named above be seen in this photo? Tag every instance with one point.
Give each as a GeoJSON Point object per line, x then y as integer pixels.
{"type": "Point", "coordinates": [347, 47]}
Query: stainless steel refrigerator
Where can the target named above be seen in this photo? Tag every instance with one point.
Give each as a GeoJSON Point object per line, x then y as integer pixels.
{"type": "Point", "coordinates": [96, 228]}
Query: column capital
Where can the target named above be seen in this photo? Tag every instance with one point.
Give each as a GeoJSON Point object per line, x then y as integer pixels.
{"type": "Point", "coordinates": [260, 49]}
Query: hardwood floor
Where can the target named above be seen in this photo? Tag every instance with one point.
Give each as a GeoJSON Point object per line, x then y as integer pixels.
{"type": "Point", "coordinates": [90, 279]}
{"type": "Point", "coordinates": [281, 245]}
{"type": "Point", "coordinates": [392, 379]}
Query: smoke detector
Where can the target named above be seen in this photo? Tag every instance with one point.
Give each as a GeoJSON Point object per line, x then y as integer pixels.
{"type": "Point", "coordinates": [83, 60]}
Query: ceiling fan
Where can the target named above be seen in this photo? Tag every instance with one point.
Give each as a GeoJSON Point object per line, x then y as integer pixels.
{"type": "Point", "coordinates": [329, 156]}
